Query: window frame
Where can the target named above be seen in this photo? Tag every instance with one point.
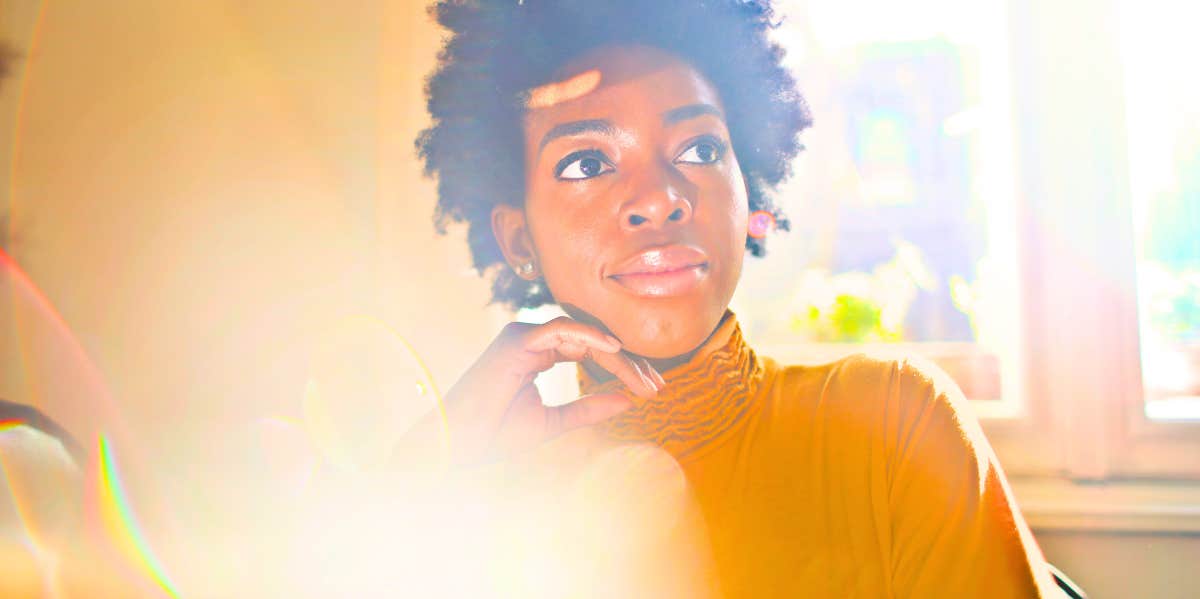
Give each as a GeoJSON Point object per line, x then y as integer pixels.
{"type": "Point", "coordinates": [1069, 82]}
{"type": "Point", "coordinates": [1081, 407]}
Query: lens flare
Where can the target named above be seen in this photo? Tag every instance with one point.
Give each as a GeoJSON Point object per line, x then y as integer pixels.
{"type": "Point", "coordinates": [118, 522]}
{"type": "Point", "coordinates": [37, 483]}
{"type": "Point", "coordinates": [58, 366]}
{"type": "Point", "coordinates": [368, 386]}
{"type": "Point", "coordinates": [552, 94]}
{"type": "Point", "coordinates": [20, 500]}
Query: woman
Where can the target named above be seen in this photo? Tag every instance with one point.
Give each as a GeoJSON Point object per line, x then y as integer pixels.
{"type": "Point", "coordinates": [605, 157]}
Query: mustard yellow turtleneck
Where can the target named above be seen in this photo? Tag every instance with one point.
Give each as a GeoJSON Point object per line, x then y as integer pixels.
{"type": "Point", "coordinates": [859, 478]}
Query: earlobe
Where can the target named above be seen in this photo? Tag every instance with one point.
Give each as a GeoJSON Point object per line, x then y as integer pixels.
{"type": "Point", "coordinates": [512, 234]}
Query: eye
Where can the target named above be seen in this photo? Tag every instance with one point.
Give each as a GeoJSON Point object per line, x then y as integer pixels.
{"type": "Point", "coordinates": [705, 150]}
{"type": "Point", "coordinates": [584, 164]}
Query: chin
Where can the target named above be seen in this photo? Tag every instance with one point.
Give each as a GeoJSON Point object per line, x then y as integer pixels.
{"type": "Point", "coordinates": [666, 330]}
{"type": "Point", "coordinates": [656, 328]}
{"type": "Point", "coordinates": [655, 350]}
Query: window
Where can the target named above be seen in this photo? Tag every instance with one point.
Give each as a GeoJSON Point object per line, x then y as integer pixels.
{"type": "Point", "coordinates": [1163, 114]}
{"type": "Point", "coordinates": [903, 216]}
{"type": "Point", "coordinates": [1011, 189]}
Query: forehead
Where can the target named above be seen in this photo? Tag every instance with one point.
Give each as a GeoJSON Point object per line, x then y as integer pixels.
{"type": "Point", "coordinates": [612, 82]}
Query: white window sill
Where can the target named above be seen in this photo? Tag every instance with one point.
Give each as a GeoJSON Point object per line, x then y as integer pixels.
{"type": "Point", "coordinates": [1114, 506]}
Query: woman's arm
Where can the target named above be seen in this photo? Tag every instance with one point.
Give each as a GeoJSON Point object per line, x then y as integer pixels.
{"type": "Point", "coordinates": [956, 529]}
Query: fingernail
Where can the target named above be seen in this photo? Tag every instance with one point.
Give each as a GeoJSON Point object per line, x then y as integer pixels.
{"type": "Point", "coordinates": [648, 388]}
{"type": "Point", "coordinates": [653, 385]}
{"type": "Point", "coordinates": [613, 340]}
{"type": "Point", "coordinates": [662, 383]}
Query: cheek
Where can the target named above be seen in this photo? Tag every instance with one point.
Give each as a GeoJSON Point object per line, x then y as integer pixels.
{"type": "Point", "coordinates": [734, 213]}
{"type": "Point", "coordinates": [738, 187]}
{"type": "Point", "coordinates": [735, 209]}
{"type": "Point", "coordinates": [567, 243]}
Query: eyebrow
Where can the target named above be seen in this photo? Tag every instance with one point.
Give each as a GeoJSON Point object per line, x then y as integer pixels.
{"type": "Point", "coordinates": [670, 117]}
{"type": "Point", "coordinates": [691, 111]}
{"type": "Point", "coordinates": [576, 128]}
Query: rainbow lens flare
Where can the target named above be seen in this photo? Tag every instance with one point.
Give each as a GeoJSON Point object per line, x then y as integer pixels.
{"type": "Point", "coordinates": [119, 524]}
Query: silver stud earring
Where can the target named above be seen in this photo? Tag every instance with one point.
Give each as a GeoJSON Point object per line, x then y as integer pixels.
{"type": "Point", "coordinates": [525, 269]}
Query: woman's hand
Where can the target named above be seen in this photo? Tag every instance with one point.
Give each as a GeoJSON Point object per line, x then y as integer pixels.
{"type": "Point", "coordinates": [495, 410]}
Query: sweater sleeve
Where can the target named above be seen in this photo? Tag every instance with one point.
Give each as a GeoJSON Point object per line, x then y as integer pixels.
{"type": "Point", "coordinates": [955, 527]}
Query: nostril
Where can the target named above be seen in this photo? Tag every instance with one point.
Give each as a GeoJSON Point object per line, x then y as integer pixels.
{"type": "Point", "coordinates": [636, 220]}
{"type": "Point", "coordinates": [676, 215]}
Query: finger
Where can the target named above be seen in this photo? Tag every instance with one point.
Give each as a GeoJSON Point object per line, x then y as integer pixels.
{"type": "Point", "coordinates": [624, 368]}
{"type": "Point", "coordinates": [586, 411]}
{"type": "Point", "coordinates": [573, 352]}
{"type": "Point", "coordinates": [648, 371]}
{"type": "Point", "coordinates": [564, 330]}
{"type": "Point", "coordinates": [641, 368]}
{"type": "Point", "coordinates": [655, 375]}
{"type": "Point", "coordinates": [572, 340]}
{"type": "Point", "coordinates": [633, 374]}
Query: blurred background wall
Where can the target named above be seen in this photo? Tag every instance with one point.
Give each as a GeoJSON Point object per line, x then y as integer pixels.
{"type": "Point", "coordinates": [200, 189]}
{"type": "Point", "coordinates": [197, 188]}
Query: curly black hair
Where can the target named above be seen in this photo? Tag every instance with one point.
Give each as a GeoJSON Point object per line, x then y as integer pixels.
{"type": "Point", "coordinates": [499, 49]}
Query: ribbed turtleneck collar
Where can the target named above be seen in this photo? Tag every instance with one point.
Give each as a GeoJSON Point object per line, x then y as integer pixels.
{"type": "Point", "coordinates": [704, 397]}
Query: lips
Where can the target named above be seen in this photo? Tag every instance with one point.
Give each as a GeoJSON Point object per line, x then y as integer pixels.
{"type": "Point", "coordinates": [662, 271]}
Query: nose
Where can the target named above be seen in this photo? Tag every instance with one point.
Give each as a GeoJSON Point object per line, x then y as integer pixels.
{"type": "Point", "coordinates": [657, 200]}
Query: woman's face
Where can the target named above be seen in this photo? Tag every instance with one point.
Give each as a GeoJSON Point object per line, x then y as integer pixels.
{"type": "Point", "coordinates": [635, 209]}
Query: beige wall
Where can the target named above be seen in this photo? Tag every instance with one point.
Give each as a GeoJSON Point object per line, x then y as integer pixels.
{"type": "Point", "coordinates": [1113, 566]}
{"type": "Point", "coordinates": [199, 187]}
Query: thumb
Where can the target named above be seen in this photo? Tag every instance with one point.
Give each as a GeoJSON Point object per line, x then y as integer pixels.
{"type": "Point", "coordinates": [588, 410]}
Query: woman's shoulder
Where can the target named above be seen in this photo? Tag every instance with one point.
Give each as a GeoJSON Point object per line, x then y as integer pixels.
{"type": "Point", "coordinates": [907, 410]}
{"type": "Point", "coordinates": [870, 384]}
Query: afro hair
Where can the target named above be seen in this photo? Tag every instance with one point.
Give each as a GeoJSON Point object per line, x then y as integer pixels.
{"type": "Point", "coordinates": [499, 49]}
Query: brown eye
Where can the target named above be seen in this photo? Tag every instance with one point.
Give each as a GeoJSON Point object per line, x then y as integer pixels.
{"type": "Point", "coordinates": [582, 165]}
{"type": "Point", "coordinates": [702, 151]}
{"type": "Point", "coordinates": [590, 166]}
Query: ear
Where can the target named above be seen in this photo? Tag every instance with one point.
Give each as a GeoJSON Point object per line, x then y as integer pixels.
{"type": "Point", "coordinates": [512, 234]}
